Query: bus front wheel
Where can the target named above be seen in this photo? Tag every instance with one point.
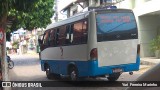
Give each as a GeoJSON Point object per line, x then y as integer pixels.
{"type": "Point", "coordinates": [48, 73]}
{"type": "Point", "coordinates": [39, 56]}
{"type": "Point", "coordinates": [73, 73]}
{"type": "Point", "coordinates": [113, 77]}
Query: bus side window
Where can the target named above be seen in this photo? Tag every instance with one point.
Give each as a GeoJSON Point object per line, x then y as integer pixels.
{"type": "Point", "coordinates": [52, 38]}
{"type": "Point", "coordinates": [57, 37]}
{"type": "Point", "coordinates": [77, 34]}
{"type": "Point", "coordinates": [62, 35]}
{"type": "Point", "coordinates": [71, 33]}
{"type": "Point", "coordinates": [45, 40]}
{"type": "Point", "coordinates": [84, 32]}
{"type": "Point", "coordinates": [68, 38]}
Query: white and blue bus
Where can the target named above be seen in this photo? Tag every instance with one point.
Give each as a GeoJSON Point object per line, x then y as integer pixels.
{"type": "Point", "coordinates": [100, 42]}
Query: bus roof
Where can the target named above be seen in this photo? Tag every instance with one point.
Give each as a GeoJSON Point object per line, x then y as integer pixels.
{"type": "Point", "coordinates": [79, 16]}
{"type": "Point", "coordinates": [71, 19]}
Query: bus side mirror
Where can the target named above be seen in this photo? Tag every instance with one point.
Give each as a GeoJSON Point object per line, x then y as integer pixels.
{"type": "Point", "coordinates": [39, 41]}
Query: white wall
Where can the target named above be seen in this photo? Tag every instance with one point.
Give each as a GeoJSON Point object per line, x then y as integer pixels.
{"type": "Point", "coordinates": [148, 23]}
{"type": "Point", "coordinates": [148, 27]}
{"type": "Point", "coordinates": [147, 7]}
{"type": "Point", "coordinates": [73, 8]}
{"type": "Point", "coordinates": [127, 4]}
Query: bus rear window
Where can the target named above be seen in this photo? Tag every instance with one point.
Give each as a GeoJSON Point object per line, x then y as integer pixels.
{"type": "Point", "coordinates": [116, 26]}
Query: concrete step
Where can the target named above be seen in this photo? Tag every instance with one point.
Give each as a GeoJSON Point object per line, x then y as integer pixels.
{"type": "Point", "coordinates": [149, 61]}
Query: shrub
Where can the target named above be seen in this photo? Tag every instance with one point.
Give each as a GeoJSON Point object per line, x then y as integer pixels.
{"type": "Point", "coordinates": [15, 45]}
{"type": "Point", "coordinates": [155, 44]}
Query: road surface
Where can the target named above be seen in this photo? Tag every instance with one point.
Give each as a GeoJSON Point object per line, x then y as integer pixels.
{"type": "Point", "coordinates": [27, 68]}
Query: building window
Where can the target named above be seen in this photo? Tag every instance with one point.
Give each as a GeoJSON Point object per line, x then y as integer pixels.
{"type": "Point", "coordinates": [75, 11]}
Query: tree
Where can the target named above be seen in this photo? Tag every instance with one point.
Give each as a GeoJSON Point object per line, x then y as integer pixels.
{"type": "Point", "coordinates": [28, 14]}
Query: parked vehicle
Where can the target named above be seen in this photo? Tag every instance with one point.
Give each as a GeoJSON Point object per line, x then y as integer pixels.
{"type": "Point", "coordinates": [95, 43]}
{"type": "Point", "coordinates": [10, 62]}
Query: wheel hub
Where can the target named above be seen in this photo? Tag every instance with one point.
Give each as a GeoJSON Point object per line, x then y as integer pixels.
{"type": "Point", "coordinates": [47, 71]}
{"type": "Point", "coordinates": [73, 75]}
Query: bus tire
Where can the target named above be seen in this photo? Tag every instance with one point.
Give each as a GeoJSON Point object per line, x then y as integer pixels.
{"type": "Point", "coordinates": [48, 72]}
{"type": "Point", "coordinates": [56, 76]}
{"type": "Point", "coordinates": [73, 73]}
{"type": "Point", "coordinates": [113, 77]}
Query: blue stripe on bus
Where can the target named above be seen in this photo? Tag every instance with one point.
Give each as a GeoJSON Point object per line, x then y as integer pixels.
{"type": "Point", "coordinates": [88, 68]}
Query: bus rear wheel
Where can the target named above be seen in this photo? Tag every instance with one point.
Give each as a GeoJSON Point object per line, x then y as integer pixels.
{"type": "Point", "coordinates": [113, 77]}
{"type": "Point", "coordinates": [73, 73]}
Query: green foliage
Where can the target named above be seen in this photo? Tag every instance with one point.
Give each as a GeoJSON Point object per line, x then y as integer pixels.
{"type": "Point", "coordinates": [27, 13]}
{"type": "Point", "coordinates": [15, 44]}
{"type": "Point", "coordinates": [155, 44]}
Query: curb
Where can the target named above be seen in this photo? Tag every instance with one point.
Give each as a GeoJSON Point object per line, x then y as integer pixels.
{"type": "Point", "coordinates": [147, 63]}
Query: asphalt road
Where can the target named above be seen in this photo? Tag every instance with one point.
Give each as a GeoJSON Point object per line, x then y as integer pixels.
{"type": "Point", "coordinates": [27, 68]}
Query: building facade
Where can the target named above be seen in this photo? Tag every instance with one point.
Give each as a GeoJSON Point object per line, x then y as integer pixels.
{"type": "Point", "coordinates": [147, 13]}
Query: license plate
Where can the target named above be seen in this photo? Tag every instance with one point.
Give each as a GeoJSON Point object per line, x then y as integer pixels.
{"type": "Point", "coordinates": [116, 70]}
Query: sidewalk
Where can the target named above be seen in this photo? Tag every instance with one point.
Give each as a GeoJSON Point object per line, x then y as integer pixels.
{"type": "Point", "coordinates": [29, 52]}
{"type": "Point", "coordinates": [32, 52]}
{"type": "Point", "coordinates": [149, 61]}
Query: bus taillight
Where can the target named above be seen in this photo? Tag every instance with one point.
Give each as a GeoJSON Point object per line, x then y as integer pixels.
{"type": "Point", "coordinates": [93, 54]}
{"type": "Point", "coordinates": [138, 49]}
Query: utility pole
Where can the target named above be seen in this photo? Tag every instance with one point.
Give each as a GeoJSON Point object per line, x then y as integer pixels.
{"type": "Point", "coordinates": [56, 10]}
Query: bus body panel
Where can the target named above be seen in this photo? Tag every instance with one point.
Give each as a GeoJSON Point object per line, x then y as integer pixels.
{"type": "Point", "coordinates": [74, 52]}
{"type": "Point", "coordinates": [92, 33]}
{"type": "Point", "coordinates": [117, 52]}
{"type": "Point", "coordinates": [88, 68]}
{"type": "Point", "coordinates": [60, 66]}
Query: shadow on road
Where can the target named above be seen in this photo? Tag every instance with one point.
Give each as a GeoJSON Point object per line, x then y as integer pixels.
{"type": "Point", "coordinates": [62, 85]}
{"type": "Point", "coordinates": [25, 61]}
{"type": "Point", "coordinates": [27, 68]}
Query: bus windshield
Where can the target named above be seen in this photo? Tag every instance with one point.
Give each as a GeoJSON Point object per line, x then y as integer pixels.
{"type": "Point", "coordinates": [116, 26]}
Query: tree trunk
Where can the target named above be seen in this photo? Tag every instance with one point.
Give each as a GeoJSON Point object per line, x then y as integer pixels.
{"type": "Point", "coordinates": [4, 63]}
